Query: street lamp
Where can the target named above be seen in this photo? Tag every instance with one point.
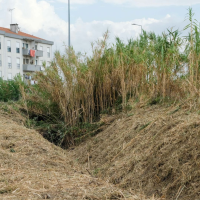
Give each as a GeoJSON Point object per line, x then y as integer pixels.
{"type": "Point", "coordinates": [69, 23]}
{"type": "Point", "coordinates": [138, 25]}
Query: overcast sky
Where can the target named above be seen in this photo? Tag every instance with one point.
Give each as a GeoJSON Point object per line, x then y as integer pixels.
{"type": "Point", "coordinates": [91, 18]}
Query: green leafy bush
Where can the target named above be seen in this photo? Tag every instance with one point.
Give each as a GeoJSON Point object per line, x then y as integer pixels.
{"type": "Point", "coordinates": [10, 90]}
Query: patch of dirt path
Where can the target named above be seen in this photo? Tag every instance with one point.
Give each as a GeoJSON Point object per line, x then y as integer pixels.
{"type": "Point", "coordinates": [33, 168]}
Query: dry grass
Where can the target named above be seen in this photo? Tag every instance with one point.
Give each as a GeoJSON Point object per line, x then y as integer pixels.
{"type": "Point", "coordinates": [89, 85]}
{"type": "Point", "coordinates": [154, 149]}
{"type": "Point", "coordinates": [77, 89]}
{"type": "Point", "coordinates": [33, 168]}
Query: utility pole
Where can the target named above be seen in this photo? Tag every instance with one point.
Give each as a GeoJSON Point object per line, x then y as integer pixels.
{"type": "Point", "coordinates": [69, 24]}
{"type": "Point", "coordinates": [10, 10]}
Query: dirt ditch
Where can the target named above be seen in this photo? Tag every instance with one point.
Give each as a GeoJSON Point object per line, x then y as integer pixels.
{"type": "Point", "coordinates": [32, 168]}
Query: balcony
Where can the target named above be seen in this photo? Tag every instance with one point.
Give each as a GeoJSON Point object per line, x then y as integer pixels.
{"type": "Point", "coordinates": [25, 52]}
{"type": "Point", "coordinates": [31, 68]}
{"type": "Point", "coordinates": [38, 53]}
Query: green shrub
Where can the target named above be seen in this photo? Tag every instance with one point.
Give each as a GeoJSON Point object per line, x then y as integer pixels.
{"type": "Point", "coordinates": [9, 90]}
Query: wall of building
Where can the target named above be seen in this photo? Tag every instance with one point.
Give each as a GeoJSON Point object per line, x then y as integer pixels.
{"type": "Point", "coordinates": [45, 57]}
{"type": "Point", "coordinates": [2, 56]}
{"type": "Point", "coordinates": [4, 69]}
{"type": "Point", "coordinates": [13, 55]}
{"type": "Point", "coordinates": [1, 64]}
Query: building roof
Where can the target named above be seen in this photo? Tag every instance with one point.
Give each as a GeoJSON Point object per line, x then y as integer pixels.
{"type": "Point", "coordinates": [7, 30]}
{"type": "Point", "coordinates": [23, 36]}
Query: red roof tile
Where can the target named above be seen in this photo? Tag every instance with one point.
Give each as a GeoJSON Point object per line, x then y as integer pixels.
{"type": "Point", "coordinates": [7, 30]}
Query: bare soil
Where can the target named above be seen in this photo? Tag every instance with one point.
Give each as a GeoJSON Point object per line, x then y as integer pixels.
{"type": "Point", "coordinates": [155, 150]}
{"type": "Point", "coordinates": [33, 168]}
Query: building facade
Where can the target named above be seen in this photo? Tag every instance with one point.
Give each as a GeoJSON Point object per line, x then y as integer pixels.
{"type": "Point", "coordinates": [15, 56]}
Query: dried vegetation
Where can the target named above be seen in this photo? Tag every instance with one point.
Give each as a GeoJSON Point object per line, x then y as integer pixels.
{"type": "Point", "coordinates": [33, 168]}
{"type": "Point", "coordinates": [153, 68]}
{"type": "Point", "coordinates": [154, 149]}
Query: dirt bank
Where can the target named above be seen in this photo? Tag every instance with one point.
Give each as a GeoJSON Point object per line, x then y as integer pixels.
{"type": "Point", "coordinates": [33, 168]}
{"type": "Point", "coordinates": [154, 149]}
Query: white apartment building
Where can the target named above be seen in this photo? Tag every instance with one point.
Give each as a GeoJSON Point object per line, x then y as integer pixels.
{"type": "Point", "coordinates": [15, 55]}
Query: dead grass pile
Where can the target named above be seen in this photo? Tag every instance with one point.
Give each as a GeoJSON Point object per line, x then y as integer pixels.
{"type": "Point", "coordinates": [33, 168]}
{"type": "Point", "coordinates": [154, 149]}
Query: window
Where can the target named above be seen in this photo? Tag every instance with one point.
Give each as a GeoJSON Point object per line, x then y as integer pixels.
{"type": "Point", "coordinates": [36, 62]}
{"type": "Point", "coordinates": [25, 45]}
{"type": "Point", "coordinates": [35, 47]}
{"type": "Point", "coordinates": [0, 43]}
{"type": "Point", "coordinates": [31, 62]}
{"type": "Point", "coordinates": [25, 61]}
{"type": "Point", "coordinates": [41, 48]}
{"type": "Point", "coordinates": [8, 46]}
{"type": "Point", "coordinates": [48, 52]}
{"type": "Point", "coordinates": [0, 61]}
{"type": "Point", "coordinates": [10, 76]}
{"type": "Point", "coordinates": [9, 63]}
{"type": "Point", "coordinates": [17, 47]}
{"type": "Point", "coordinates": [18, 63]}
{"type": "Point", "coordinates": [0, 74]}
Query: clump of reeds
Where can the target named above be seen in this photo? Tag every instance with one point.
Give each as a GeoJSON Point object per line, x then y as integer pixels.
{"type": "Point", "coordinates": [77, 89]}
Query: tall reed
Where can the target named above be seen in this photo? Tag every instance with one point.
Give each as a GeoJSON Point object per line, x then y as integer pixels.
{"type": "Point", "coordinates": [77, 89]}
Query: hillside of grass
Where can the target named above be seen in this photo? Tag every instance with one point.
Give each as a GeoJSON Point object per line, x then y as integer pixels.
{"type": "Point", "coordinates": [127, 114]}
{"type": "Point", "coordinates": [154, 149]}
{"type": "Point", "coordinates": [33, 168]}
{"type": "Point", "coordinates": [150, 152]}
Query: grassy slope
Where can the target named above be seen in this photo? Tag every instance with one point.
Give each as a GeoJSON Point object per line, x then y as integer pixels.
{"type": "Point", "coordinates": [33, 168]}
{"type": "Point", "coordinates": [154, 149]}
